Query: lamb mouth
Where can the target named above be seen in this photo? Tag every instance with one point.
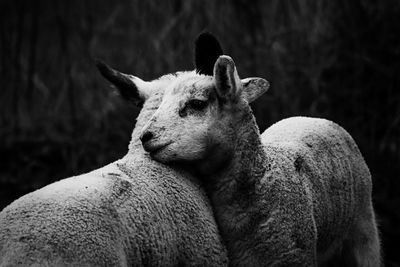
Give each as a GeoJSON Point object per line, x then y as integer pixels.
{"type": "Point", "coordinates": [154, 149]}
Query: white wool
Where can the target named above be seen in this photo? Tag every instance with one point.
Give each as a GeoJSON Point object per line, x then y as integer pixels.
{"type": "Point", "coordinates": [133, 212]}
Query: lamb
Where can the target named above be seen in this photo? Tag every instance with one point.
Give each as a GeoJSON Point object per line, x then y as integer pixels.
{"type": "Point", "coordinates": [297, 195]}
{"type": "Point", "coordinates": [132, 212]}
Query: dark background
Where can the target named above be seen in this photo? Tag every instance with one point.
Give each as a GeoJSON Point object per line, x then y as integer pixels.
{"type": "Point", "coordinates": [338, 60]}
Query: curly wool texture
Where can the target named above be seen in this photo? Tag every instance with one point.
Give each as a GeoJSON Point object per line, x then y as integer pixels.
{"type": "Point", "coordinates": [133, 212]}
{"type": "Point", "coordinates": [304, 198]}
{"type": "Point", "coordinates": [329, 165]}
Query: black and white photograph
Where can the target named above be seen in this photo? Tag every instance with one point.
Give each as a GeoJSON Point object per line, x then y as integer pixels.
{"type": "Point", "coordinates": [200, 133]}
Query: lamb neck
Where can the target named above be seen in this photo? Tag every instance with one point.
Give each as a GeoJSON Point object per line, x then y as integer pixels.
{"type": "Point", "coordinates": [233, 192]}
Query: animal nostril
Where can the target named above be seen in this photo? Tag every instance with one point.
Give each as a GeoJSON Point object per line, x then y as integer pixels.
{"type": "Point", "coordinates": [146, 137]}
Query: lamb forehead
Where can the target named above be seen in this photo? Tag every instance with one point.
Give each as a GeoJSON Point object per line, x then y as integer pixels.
{"type": "Point", "coordinates": [190, 84]}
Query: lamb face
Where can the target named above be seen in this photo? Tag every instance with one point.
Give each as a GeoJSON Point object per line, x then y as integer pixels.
{"type": "Point", "coordinates": [181, 129]}
{"type": "Point", "coordinates": [197, 116]}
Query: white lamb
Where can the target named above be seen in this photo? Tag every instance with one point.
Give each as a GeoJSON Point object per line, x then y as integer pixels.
{"type": "Point", "coordinates": [133, 212]}
{"type": "Point", "coordinates": [299, 195]}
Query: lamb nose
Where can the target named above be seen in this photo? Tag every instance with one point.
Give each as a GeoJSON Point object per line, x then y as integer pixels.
{"type": "Point", "coordinates": [146, 137]}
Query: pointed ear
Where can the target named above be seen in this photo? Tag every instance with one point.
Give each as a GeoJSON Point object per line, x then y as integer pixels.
{"type": "Point", "coordinates": [207, 51]}
{"type": "Point", "coordinates": [130, 87]}
{"type": "Point", "coordinates": [253, 88]}
{"type": "Point", "coordinates": [227, 81]}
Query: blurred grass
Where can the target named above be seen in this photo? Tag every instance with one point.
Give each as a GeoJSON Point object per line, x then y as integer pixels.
{"type": "Point", "coordinates": [334, 59]}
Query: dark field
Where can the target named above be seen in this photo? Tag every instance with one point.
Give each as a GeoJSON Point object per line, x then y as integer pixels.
{"type": "Point", "coordinates": [338, 60]}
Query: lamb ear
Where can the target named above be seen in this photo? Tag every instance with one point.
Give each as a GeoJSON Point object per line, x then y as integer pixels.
{"type": "Point", "coordinates": [227, 81]}
{"type": "Point", "coordinates": [207, 50]}
{"type": "Point", "coordinates": [253, 88]}
{"type": "Point", "coordinates": [130, 87]}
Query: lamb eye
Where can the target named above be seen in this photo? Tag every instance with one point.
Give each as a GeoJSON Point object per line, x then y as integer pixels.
{"type": "Point", "coordinates": [197, 104]}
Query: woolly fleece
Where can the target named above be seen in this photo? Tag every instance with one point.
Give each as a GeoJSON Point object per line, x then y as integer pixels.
{"type": "Point", "coordinates": [298, 195]}
{"type": "Point", "coordinates": [133, 212]}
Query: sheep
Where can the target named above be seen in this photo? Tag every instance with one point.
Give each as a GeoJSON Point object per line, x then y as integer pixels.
{"type": "Point", "coordinates": [132, 212]}
{"type": "Point", "coordinates": [297, 195]}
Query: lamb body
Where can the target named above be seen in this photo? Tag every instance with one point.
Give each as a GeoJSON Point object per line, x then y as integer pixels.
{"type": "Point", "coordinates": [299, 195]}
{"type": "Point", "coordinates": [306, 202]}
{"type": "Point", "coordinates": [323, 158]}
{"type": "Point", "coordinates": [133, 212]}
